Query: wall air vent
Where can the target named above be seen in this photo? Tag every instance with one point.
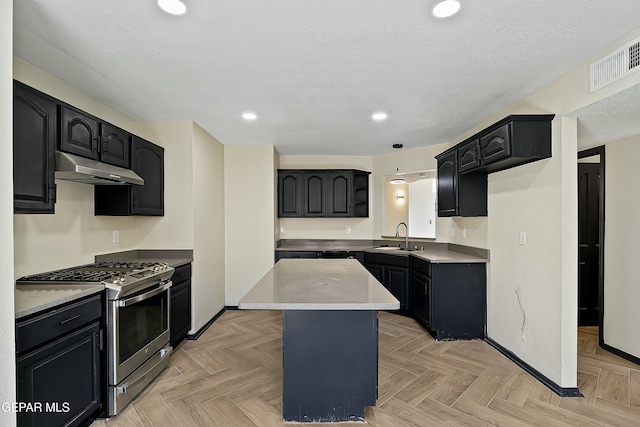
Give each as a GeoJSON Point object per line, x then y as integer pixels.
{"type": "Point", "coordinates": [616, 65]}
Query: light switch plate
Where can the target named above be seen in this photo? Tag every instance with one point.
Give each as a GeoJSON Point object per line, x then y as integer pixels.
{"type": "Point", "coordinates": [452, 232]}
{"type": "Point", "coordinates": [116, 236]}
{"type": "Point", "coordinates": [464, 233]}
{"type": "Point", "coordinates": [348, 229]}
{"type": "Point", "coordinates": [523, 238]}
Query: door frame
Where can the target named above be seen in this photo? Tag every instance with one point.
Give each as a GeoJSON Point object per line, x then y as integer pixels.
{"type": "Point", "coordinates": [601, 190]}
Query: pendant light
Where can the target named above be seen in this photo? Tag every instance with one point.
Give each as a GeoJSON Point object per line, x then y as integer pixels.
{"type": "Point", "coordinates": [397, 180]}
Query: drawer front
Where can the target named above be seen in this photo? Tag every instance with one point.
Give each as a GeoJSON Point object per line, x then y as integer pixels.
{"type": "Point", "coordinates": [469, 155]}
{"type": "Point", "coordinates": [181, 274]}
{"type": "Point", "coordinates": [496, 145]}
{"type": "Point", "coordinates": [423, 267]}
{"type": "Point", "coordinates": [384, 259]}
{"type": "Point", "coordinates": [33, 332]}
{"type": "Point", "coordinates": [294, 254]}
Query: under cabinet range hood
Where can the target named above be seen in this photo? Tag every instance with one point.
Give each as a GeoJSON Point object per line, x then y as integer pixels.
{"type": "Point", "coordinates": [70, 167]}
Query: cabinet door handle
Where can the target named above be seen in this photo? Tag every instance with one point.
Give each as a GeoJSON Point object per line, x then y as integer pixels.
{"type": "Point", "coordinates": [70, 319]}
{"type": "Point", "coordinates": [95, 145]}
{"type": "Point", "coordinates": [52, 193]}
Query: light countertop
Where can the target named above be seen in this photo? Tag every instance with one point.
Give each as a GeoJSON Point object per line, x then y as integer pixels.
{"type": "Point", "coordinates": [30, 299]}
{"type": "Point", "coordinates": [318, 284]}
{"type": "Point", "coordinates": [434, 252]}
{"type": "Point", "coordinates": [435, 256]}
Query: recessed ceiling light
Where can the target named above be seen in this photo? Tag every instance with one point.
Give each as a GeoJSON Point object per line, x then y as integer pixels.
{"type": "Point", "coordinates": [249, 116]}
{"type": "Point", "coordinates": [173, 7]}
{"type": "Point", "coordinates": [379, 116]}
{"type": "Point", "coordinates": [446, 8]}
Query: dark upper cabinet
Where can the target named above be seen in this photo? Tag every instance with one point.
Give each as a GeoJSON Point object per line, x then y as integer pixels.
{"type": "Point", "coordinates": [460, 195]}
{"type": "Point", "coordinates": [339, 193]}
{"type": "Point", "coordinates": [290, 190]}
{"type": "Point", "coordinates": [469, 155]}
{"type": "Point", "coordinates": [315, 193]}
{"type": "Point", "coordinates": [34, 143]}
{"type": "Point", "coordinates": [147, 160]}
{"type": "Point", "coordinates": [323, 193]}
{"type": "Point", "coordinates": [463, 169]}
{"type": "Point", "coordinates": [86, 136]}
{"type": "Point", "coordinates": [513, 141]}
{"type": "Point", "coordinates": [115, 147]}
{"type": "Point", "coordinates": [79, 133]}
{"type": "Point", "coordinates": [360, 194]}
{"type": "Point", "coordinates": [448, 184]}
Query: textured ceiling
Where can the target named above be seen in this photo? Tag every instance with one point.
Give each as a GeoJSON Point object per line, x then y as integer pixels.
{"type": "Point", "coordinates": [314, 72]}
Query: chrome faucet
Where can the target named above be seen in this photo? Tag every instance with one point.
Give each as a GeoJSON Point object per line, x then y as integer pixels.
{"type": "Point", "coordinates": [406, 234]}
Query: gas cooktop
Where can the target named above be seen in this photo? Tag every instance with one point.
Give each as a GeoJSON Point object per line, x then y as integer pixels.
{"type": "Point", "coordinates": [122, 277]}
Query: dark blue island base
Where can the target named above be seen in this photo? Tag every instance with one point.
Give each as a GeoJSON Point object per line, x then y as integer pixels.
{"type": "Point", "coordinates": [330, 360]}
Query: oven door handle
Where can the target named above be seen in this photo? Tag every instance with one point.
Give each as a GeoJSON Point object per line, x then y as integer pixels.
{"type": "Point", "coordinates": [133, 300]}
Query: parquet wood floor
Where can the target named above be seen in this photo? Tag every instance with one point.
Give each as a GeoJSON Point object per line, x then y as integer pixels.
{"type": "Point", "coordinates": [232, 377]}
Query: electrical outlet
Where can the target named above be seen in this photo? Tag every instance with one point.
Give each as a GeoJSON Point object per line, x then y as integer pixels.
{"type": "Point", "coordinates": [116, 236]}
{"type": "Point", "coordinates": [348, 229]}
{"type": "Point", "coordinates": [464, 233]}
{"type": "Point", "coordinates": [452, 232]}
{"type": "Point", "coordinates": [282, 229]}
{"type": "Point", "coordinates": [523, 238]}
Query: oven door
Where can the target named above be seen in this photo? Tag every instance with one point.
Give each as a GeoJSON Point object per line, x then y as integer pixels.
{"type": "Point", "coordinates": [139, 328]}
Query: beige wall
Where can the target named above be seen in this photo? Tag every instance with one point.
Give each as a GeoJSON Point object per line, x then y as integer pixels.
{"type": "Point", "coordinates": [409, 160]}
{"type": "Point", "coordinates": [540, 199]}
{"type": "Point", "coordinates": [209, 227]}
{"type": "Point", "coordinates": [396, 212]}
{"type": "Point", "coordinates": [249, 200]}
{"type": "Point", "coordinates": [621, 268]}
{"type": "Point", "coordinates": [73, 235]}
{"type": "Point", "coordinates": [175, 229]}
{"type": "Point", "coordinates": [7, 318]}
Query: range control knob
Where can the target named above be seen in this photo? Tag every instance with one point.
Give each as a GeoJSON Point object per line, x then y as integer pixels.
{"type": "Point", "coordinates": [122, 279]}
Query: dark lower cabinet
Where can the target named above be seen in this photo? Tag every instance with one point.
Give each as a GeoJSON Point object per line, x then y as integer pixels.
{"type": "Point", "coordinates": [35, 128]}
{"type": "Point", "coordinates": [294, 254]}
{"type": "Point", "coordinates": [393, 272]}
{"type": "Point", "coordinates": [325, 254]}
{"type": "Point", "coordinates": [330, 365]}
{"type": "Point", "coordinates": [59, 365]}
{"type": "Point", "coordinates": [420, 289]}
{"type": "Point", "coordinates": [449, 299]}
{"type": "Point", "coordinates": [180, 305]}
{"type": "Point", "coordinates": [147, 160]}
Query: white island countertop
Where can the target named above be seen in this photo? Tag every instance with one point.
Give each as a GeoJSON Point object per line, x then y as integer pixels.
{"type": "Point", "coordinates": [318, 284]}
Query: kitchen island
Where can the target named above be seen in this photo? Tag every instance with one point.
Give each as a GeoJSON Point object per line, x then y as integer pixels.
{"type": "Point", "coordinates": [330, 335]}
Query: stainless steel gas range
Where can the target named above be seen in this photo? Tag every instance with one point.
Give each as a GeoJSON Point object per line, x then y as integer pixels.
{"type": "Point", "coordinates": [137, 317]}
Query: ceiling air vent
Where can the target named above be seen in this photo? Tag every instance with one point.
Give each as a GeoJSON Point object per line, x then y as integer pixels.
{"type": "Point", "coordinates": [616, 65]}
